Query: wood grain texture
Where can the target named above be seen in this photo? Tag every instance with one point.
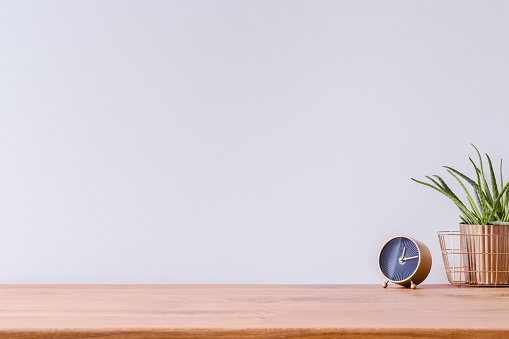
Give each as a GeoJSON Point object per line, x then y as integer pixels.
{"type": "Point", "coordinates": [251, 311]}
{"type": "Point", "coordinates": [259, 333]}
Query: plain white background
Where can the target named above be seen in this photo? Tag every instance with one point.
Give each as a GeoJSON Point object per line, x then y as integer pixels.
{"type": "Point", "coordinates": [238, 141]}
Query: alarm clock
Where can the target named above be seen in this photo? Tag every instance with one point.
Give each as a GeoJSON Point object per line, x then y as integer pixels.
{"type": "Point", "coordinates": [404, 261]}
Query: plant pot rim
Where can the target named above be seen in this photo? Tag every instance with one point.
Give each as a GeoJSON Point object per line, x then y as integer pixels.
{"type": "Point", "coordinates": [462, 223]}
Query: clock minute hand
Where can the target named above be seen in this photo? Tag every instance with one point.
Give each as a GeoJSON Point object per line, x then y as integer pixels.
{"type": "Point", "coordinates": [411, 257]}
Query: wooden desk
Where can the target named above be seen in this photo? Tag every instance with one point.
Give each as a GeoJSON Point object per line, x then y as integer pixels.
{"type": "Point", "coordinates": [252, 311]}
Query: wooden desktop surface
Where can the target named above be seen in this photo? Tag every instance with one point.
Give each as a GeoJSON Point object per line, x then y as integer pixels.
{"type": "Point", "coordinates": [252, 311]}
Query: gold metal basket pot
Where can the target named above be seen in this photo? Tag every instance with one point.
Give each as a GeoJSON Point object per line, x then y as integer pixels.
{"type": "Point", "coordinates": [477, 255]}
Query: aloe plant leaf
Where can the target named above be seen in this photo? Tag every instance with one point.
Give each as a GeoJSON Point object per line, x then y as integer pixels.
{"type": "Point", "coordinates": [487, 196]}
{"type": "Point", "coordinates": [435, 182]}
{"type": "Point", "coordinates": [469, 197]}
{"type": "Point", "coordinates": [502, 184]}
{"type": "Point", "coordinates": [471, 182]}
{"type": "Point", "coordinates": [446, 188]}
{"type": "Point", "coordinates": [454, 199]}
{"type": "Point", "coordinates": [465, 221]}
{"type": "Point", "coordinates": [483, 201]}
{"type": "Point", "coordinates": [489, 208]}
{"type": "Point", "coordinates": [498, 200]}
{"type": "Point", "coordinates": [429, 185]}
{"type": "Point", "coordinates": [501, 176]}
{"type": "Point", "coordinates": [467, 179]}
{"type": "Point", "coordinates": [485, 184]}
{"type": "Point", "coordinates": [497, 222]}
{"type": "Point", "coordinates": [494, 187]}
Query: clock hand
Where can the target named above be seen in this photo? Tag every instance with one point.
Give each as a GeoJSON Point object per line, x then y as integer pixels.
{"type": "Point", "coordinates": [403, 254]}
{"type": "Point", "coordinates": [411, 257]}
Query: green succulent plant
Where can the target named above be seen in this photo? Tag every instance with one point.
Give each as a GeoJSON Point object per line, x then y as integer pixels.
{"type": "Point", "coordinates": [491, 207]}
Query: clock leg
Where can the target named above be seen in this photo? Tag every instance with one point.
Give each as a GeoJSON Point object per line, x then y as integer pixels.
{"type": "Point", "coordinates": [384, 285]}
{"type": "Point", "coordinates": [412, 285]}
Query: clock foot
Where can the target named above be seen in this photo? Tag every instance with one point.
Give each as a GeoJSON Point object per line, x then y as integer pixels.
{"type": "Point", "coordinates": [384, 285]}
{"type": "Point", "coordinates": [412, 285]}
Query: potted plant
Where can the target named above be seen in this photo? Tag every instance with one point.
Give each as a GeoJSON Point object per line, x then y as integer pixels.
{"type": "Point", "coordinates": [484, 230]}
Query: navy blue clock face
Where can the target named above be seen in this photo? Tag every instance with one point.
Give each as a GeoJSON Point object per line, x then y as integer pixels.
{"type": "Point", "coordinates": [399, 259]}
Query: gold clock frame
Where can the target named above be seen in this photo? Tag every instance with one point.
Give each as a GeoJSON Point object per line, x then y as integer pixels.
{"type": "Point", "coordinates": [422, 270]}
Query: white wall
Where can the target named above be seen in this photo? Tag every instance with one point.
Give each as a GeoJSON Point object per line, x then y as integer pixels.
{"type": "Point", "coordinates": [238, 141]}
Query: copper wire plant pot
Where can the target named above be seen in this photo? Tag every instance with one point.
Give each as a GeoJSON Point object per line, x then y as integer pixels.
{"type": "Point", "coordinates": [485, 251]}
